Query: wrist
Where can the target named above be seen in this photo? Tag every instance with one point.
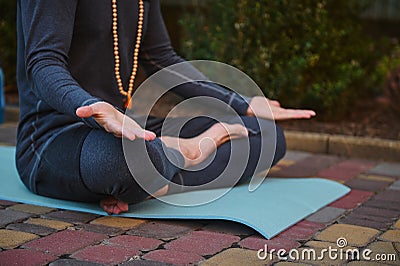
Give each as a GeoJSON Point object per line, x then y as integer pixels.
{"type": "Point", "coordinates": [249, 111]}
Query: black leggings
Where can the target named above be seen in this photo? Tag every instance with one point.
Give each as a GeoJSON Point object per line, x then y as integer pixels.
{"type": "Point", "coordinates": [84, 164]}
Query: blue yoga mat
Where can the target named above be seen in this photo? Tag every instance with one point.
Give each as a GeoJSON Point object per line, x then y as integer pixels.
{"type": "Point", "coordinates": [277, 204]}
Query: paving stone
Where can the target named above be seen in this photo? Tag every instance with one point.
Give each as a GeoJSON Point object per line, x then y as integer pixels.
{"type": "Point", "coordinates": [7, 203]}
{"type": "Point", "coordinates": [162, 230]}
{"type": "Point", "coordinates": [73, 217]}
{"type": "Point", "coordinates": [366, 184]}
{"type": "Point", "coordinates": [389, 195]}
{"type": "Point", "coordinates": [24, 257]}
{"type": "Point", "coordinates": [326, 215]}
{"type": "Point", "coordinates": [397, 224]}
{"type": "Point", "coordinates": [202, 242]}
{"type": "Point", "coordinates": [135, 242]}
{"type": "Point", "coordinates": [309, 224]}
{"type": "Point", "coordinates": [379, 248]}
{"type": "Point", "coordinates": [256, 243]}
{"type": "Point", "coordinates": [378, 178]}
{"type": "Point", "coordinates": [31, 228]}
{"type": "Point", "coordinates": [365, 222]}
{"type": "Point", "coordinates": [31, 209]}
{"type": "Point", "coordinates": [364, 263]}
{"type": "Point", "coordinates": [11, 239]}
{"type": "Point", "coordinates": [347, 251]}
{"type": "Point", "coordinates": [383, 204]}
{"type": "Point", "coordinates": [284, 162]}
{"type": "Point", "coordinates": [315, 256]}
{"type": "Point", "coordinates": [388, 169]}
{"type": "Point", "coordinates": [353, 199]}
{"type": "Point", "coordinates": [101, 229]}
{"type": "Point", "coordinates": [290, 263]}
{"type": "Point", "coordinates": [275, 169]}
{"type": "Point", "coordinates": [58, 225]}
{"type": "Point", "coordinates": [358, 236]}
{"type": "Point", "coordinates": [228, 227]}
{"type": "Point", "coordinates": [395, 185]}
{"type": "Point", "coordinates": [308, 166]}
{"type": "Point", "coordinates": [296, 155]}
{"type": "Point", "coordinates": [119, 222]}
{"type": "Point", "coordinates": [8, 130]}
{"type": "Point", "coordinates": [65, 242]}
{"type": "Point", "coordinates": [9, 216]}
{"type": "Point", "coordinates": [140, 262]}
{"type": "Point", "coordinates": [324, 244]}
{"type": "Point", "coordinates": [370, 211]}
{"type": "Point", "coordinates": [236, 256]}
{"type": "Point", "coordinates": [303, 230]}
{"type": "Point", "coordinates": [346, 170]}
{"type": "Point", "coordinates": [298, 233]}
{"type": "Point", "coordinates": [355, 215]}
{"type": "Point", "coordinates": [105, 254]}
{"type": "Point", "coordinates": [73, 262]}
{"type": "Point", "coordinates": [396, 246]}
{"type": "Point", "coordinates": [173, 257]}
{"type": "Point", "coordinates": [391, 235]}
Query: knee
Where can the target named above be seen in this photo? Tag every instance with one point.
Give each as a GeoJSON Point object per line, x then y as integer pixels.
{"type": "Point", "coordinates": [162, 158]}
{"type": "Point", "coordinates": [280, 149]}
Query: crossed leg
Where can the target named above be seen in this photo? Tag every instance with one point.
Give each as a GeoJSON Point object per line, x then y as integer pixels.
{"type": "Point", "coordinates": [194, 151]}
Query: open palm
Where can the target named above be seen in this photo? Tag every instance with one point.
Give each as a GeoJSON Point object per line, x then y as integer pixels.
{"type": "Point", "coordinates": [113, 121]}
{"type": "Point", "coordinates": [269, 109]}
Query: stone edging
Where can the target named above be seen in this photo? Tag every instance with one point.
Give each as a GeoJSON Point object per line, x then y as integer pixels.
{"type": "Point", "coordinates": [361, 147]}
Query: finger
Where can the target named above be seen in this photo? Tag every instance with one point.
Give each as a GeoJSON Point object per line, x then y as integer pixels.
{"type": "Point", "coordinates": [144, 134]}
{"type": "Point", "coordinates": [128, 134]}
{"type": "Point", "coordinates": [84, 111]}
{"type": "Point", "coordinates": [118, 135]}
{"type": "Point", "coordinates": [285, 114]}
{"type": "Point", "coordinates": [124, 207]}
{"type": "Point", "coordinates": [107, 208]}
{"type": "Point", "coordinates": [274, 103]}
{"type": "Point", "coordinates": [133, 133]}
{"type": "Point", "coordinates": [116, 209]}
{"type": "Point", "coordinates": [149, 135]}
{"type": "Point", "coordinates": [305, 113]}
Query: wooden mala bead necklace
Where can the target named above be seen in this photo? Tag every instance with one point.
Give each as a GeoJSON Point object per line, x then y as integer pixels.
{"type": "Point", "coordinates": [127, 93]}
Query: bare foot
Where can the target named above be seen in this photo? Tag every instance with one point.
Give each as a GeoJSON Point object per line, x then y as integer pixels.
{"type": "Point", "coordinates": [163, 191]}
{"type": "Point", "coordinates": [196, 150]}
{"type": "Point", "coordinates": [113, 206]}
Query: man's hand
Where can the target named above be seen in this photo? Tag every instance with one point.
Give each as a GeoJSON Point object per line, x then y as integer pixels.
{"type": "Point", "coordinates": [113, 121]}
{"type": "Point", "coordinates": [268, 109]}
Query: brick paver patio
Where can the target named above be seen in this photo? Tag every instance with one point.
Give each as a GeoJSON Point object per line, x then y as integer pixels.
{"type": "Point", "coordinates": [366, 220]}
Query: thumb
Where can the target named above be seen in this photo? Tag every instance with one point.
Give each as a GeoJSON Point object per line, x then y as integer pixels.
{"type": "Point", "coordinates": [84, 111]}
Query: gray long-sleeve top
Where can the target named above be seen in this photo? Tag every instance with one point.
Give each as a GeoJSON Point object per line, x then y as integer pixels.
{"type": "Point", "coordinates": [66, 60]}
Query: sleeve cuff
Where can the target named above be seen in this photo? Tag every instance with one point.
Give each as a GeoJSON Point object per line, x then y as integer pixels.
{"type": "Point", "coordinates": [240, 103]}
{"type": "Point", "coordinates": [90, 121]}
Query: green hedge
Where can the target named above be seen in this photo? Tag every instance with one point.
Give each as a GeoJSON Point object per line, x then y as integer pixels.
{"type": "Point", "coordinates": [309, 53]}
